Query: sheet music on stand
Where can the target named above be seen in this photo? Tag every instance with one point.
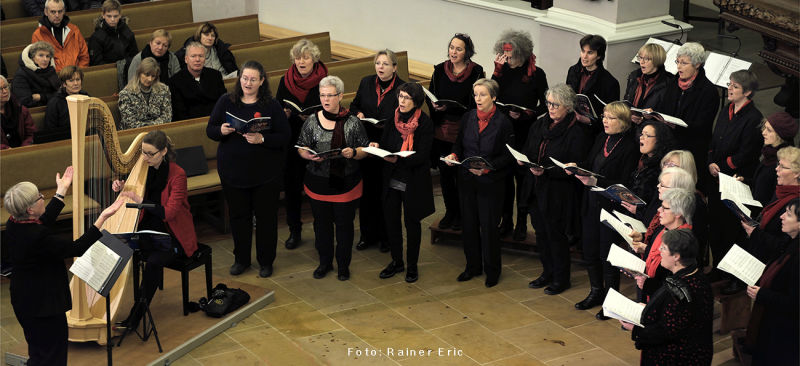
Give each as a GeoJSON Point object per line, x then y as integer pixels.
{"type": "Point", "coordinates": [743, 265]}
{"type": "Point", "coordinates": [672, 54]}
{"type": "Point", "coordinates": [102, 263]}
{"type": "Point", "coordinates": [719, 68]}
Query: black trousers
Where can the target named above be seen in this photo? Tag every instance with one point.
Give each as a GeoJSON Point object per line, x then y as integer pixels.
{"type": "Point", "coordinates": [294, 173]}
{"type": "Point", "coordinates": [243, 203]}
{"type": "Point", "coordinates": [515, 174]}
{"type": "Point", "coordinates": [481, 203]}
{"type": "Point", "coordinates": [597, 239]}
{"type": "Point", "coordinates": [553, 247]}
{"type": "Point", "coordinates": [46, 338]}
{"type": "Point", "coordinates": [338, 215]}
{"type": "Point", "coordinates": [370, 215]}
{"type": "Point", "coordinates": [448, 178]}
{"type": "Point", "coordinates": [394, 202]}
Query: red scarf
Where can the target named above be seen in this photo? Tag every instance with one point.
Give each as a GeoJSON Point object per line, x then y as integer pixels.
{"type": "Point", "coordinates": [28, 221]}
{"type": "Point", "coordinates": [784, 194]}
{"type": "Point", "coordinates": [585, 76]}
{"type": "Point", "coordinates": [654, 256]}
{"type": "Point", "coordinates": [460, 78]}
{"type": "Point", "coordinates": [407, 128]}
{"type": "Point", "coordinates": [300, 86]}
{"type": "Point", "coordinates": [732, 109]}
{"type": "Point", "coordinates": [484, 118]}
{"type": "Point", "coordinates": [643, 87]}
{"type": "Point", "coordinates": [686, 84]}
{"type": "Point", "coordinates": [388, 88]}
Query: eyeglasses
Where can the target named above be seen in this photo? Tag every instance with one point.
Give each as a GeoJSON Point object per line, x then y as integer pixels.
{"type": "Point", "coordinates": [670, 164]}
{"type": "Point", "coordinates": [551, 105]}
{"type": "Point", "coordinates": [608, 116]}
{"type": "Point", "coordinates": [682, 63]}
{"type": "Point", "coordinates": [662, 208]}
{"type": "Point", "coordinates": [645, 59]}
{"type": "Point", "coordinates": [150, 154]}
{"type": "Point", "coordinates": [646, 135]}
{"type": "Point", "coordinates": [326, 96]}
{"type": "Point", "coordinates": [404, 97]}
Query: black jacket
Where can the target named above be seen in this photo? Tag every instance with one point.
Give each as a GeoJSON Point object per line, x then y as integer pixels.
{"type": "Point", "coordinates": [39, 283]}
{"type": "Point", "coordinates": [443, 88]}
{"type": "Point", "coordinates": [366, 101]}
{"type": "Point", "coordinates": [416, 169]}
{"type": "Point", "coordinates": [57, 114]}
{"type": "Point", "coordinates": [30, 80]}
{"type": "Point", "coordinates": [601, 83]}
{"type": "Point", "coordinates": [653, 98]}
{"type": "Point", "coordinates": [517, 88]}
{"type": "Point", "coordinates": [489, 144]}
{"type": "Point", "coordinates": [191, 99]}
{"type": "Point", "coordinates": [108, 45]}
{"type": "Point", "coordinates": [224, 53]}
{"type": "Point", "coordinates": [295, 121]}
{"type": "Point", "coordinates": [736, 143]}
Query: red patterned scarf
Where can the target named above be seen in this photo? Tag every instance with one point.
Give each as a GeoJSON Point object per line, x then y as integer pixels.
{"type": "Point", "coordinates": [643, 87]}
{"type": "Point", "coordinates": [686, 84]}
{"type": "Point", "coordinates": [298, 85]}
{"type": "Point", "coordinates": [407, 128]}
{"type": "Point", "coordinates": [386, 91]}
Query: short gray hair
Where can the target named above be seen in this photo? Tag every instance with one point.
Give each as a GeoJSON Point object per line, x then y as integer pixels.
{"type": "Point", "coordinates": [562, 94]}
{"type": "Point", "coordinates": [679, 178]}
{"type": "Point", "coordinates": [19, 198]}
{"type": "Point", "coordinates": [40, 46]}
{"type": "Point", "coordinates": [694, 51]}
{"type": "Point", "coordinates": [48, 2]}
{"type": "Point", "coordinates": [303, 47]}
{"type": "Point", "coordinates": [333, 81]}
{"type": "Point", "coordinates": [388, 53]}
{"type": "Point", "coordinates": [747, 79]}
{"type": "Point", "coordinates": [681, 202]}
{"type": "Point", "coordinates": [489, 84]}
{"type": "Point", "coordinates": [195, 44]}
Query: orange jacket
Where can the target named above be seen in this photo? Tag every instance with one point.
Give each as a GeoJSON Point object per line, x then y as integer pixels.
{"type": "Point", "coordinates": [73, 52]}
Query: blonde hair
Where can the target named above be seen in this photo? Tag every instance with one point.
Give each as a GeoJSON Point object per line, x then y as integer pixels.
{"type": "Point", "coordinates": [19, 198]}
{"type": "Point", "coordinates": [792, 154]}
{"type": "Point", "coordinates": [491, 85]}
{"type": "Point", "coordinates": [303, 47]}
{"type": "Point", "coordinates": [388, 53]}
{"type": "Point", "coordinates": [162, 33]}
{"type": "Point", "coordinates": [656, 52]}
{"type": "Point", "coordinates": [621, 111]}
{"type": "Point", "coordinates": [148, 66]}
{"type": "Point", "coordinates": [685, 159]}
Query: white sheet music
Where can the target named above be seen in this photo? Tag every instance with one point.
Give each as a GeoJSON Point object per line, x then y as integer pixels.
{"type": "Point", "coordinates": [634, 223]}
{"type": "Point", "coordinates": [714, 65]}
{"type": "Point", "coordinates": [734, 65]}
{"type": "Point", "coordinates": [383, 153]}
{"type": "Point", "coordinates": [518, 155]}
{"type": "Point", "coordinates": [736, 191]}
{"type": "Point", "coordinates": [743, 265]}
{"type": "Point", "coordinates": [95, 265]}
{"type": "Point", "coordinates": [618, 226]}
{"type": "Point", "coordinates": [622, 258]}
{"type": "Point", "coordinates": [620, 307]}
{"type": "Point", "coordinates": [669, 62]}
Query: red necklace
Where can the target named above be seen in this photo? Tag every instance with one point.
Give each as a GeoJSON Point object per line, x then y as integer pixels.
{"type": "Point", "coordinates": [606, 152]}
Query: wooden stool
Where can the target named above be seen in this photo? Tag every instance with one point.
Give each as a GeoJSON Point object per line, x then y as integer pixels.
{"type": "Point", "coordinates": [183, 264]}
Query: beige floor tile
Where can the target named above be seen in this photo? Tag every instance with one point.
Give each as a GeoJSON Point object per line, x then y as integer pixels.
{"type": "Point", "coordinates": [435, 359]}
{"type": "Point", "coordinates": [608, 336]}
{"type": "Point", "coordinates": [282, 295]}
{"type": "Point", "coordinates": [186, 360]}
{"type": "Point", "coordinates": [341, 347]}
{"type": "Point", "coordinates": [219, 344]}
{"type": "Point", "coordinates": [290, 261]}
{"type": "Point", "coordinates": [523, 359]}
{"type": "Point", "coordinates": [328, 294]}
{"type": "Point", "coordinates": [239, 357]}
{"type": "Point", "coordinates": [297, 320]}
{"type": "Point", "coordinates": [515, 285]}
{"type": "Point", "coordinates": [438, 278]}
{"type": "Point", "coordinates": [368, 270]}
{"type": "Point", "coordinates": [417, 305]}
{"type": "Point", "coordinates": [546, 340]}
{"type": "Point", "coordinates": [247, 323]}
{"type": "Point", "coordinates": [559, 310]}
{"type": "Point", "coordinates": [476, 341]}
{"type": "Point", "coordinates": [270, 347]}
{"type": "Point", "coordinates": [594, 357]}
{"type": "Point", "coordinates": [483, 305]}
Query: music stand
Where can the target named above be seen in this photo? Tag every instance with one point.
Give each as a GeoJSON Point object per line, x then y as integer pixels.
{"type": "Point", "coordinates": [100, 267]}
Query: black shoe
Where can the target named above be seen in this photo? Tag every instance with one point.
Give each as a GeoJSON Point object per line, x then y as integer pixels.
{"type": "Point", "coordinates": [412, 275]}
{"type": "Point", "coordinates": [540, 282]}
{"type": "Point", "coordinates": [456, 224]}
{"type": "Point", "coordinates": [506, 226]}
{"type": "Point", "coordinates": [520, 232]}
{"type": "Point", "coordinates": [237, 268]}
{"type": "Point", "coordinates": [294, 239]}
{"type": "Point", "coordinates": [556, 288]}
{"type": "Point", "coordinates": [385, 247]}
{"type": "Point", "coordinates": [734, 286]}
{"type": "Point", "coordinates": [464, 276]}
{"type": "Point", "coordinates": [594, 298]}
{"type": "Point", "coordinates": [491, 282]}
{"type": "Point", "coordinates": [265, 271]}
{"type": "Point", "coordinates": [363, 244]}
{"type": "Point", "coordinates": [391, 269]}
{"type": "Point", "coordinates": [322, 270]}
{"type": "Point", "coordinates": [446, 222]}
{"type": "Point", "coordinates": [601, 316]}
{"type": "Point", "coordinates": [344, 274]}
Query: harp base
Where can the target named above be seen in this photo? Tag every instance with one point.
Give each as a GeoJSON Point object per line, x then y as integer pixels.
{"type": "Point", "coordinates": [87, 330]}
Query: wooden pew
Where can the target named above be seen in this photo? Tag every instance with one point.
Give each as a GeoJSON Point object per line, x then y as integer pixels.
{"type": "Point", "coordinates": [235, 30]}
{"type": "Point", "coordinates": [14, 9]}
{"type": "Point", "coordinates": [17, 32]}
{"type": "Point", "coordinates": [38, 113]}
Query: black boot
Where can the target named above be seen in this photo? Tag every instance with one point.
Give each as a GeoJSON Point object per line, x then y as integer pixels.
{"type": "Point", "coordinates": [595, 297]}
{"type": "Point", "coordinates": [294, 238]}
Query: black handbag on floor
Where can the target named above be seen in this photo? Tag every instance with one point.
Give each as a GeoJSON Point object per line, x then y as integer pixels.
{"type": "Point", "coordinates": [223, 301]}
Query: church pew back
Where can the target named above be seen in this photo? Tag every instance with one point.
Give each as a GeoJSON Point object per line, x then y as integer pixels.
{"type": "Point", "coordinates": [235, 30]}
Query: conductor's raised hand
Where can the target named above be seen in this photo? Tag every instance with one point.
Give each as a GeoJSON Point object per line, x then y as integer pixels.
{"type": "Point", "coordinates": [226, 129]}
{"type": "Point", "coordinates": [117, 185]}
{"type": "Point", "coordinates": [108, 212]}
{"type": "Point", "coordinates": [64, 181]}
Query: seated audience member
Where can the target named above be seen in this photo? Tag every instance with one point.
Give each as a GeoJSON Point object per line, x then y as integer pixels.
{"type": "Point", "coordinates": [145, 100]}
{"type": "Point", "coordinates": [195, 89]}
{"type": "Point", "coordinates": [68, 42]}
{"type": "Point", "coordinates": [16, 128]}
{"type": "Point", "coordinates": [57, 115]}
{"type": "Point", "coordinates": [112, 39]}
{"type": "Point", "coordinates": [772, 334]}
{"type": "Point", "coordinates": [158, 49]}
{"type": "Point", "coordinates": [218, 54]}
{"type": "Point", "coordinates": [678, 318]}
{"type": "Point", "coordinates": [36, 80]}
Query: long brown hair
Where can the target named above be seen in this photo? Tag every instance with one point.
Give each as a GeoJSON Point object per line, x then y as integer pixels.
{"type": "Point", "coordinates": [160, 140]}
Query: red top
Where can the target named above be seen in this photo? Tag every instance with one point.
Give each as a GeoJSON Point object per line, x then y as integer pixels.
{"type": "Point", "coordinates": [177, 215]}
{"type": "Point", "coordinates": [654, 256]}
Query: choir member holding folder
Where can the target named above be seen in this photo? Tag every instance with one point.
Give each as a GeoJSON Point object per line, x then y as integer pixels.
{"type": "Point", "coordinates": [773, 332]}
{"type": "Point", "coordinates": [407, 180]}
{"type": "Point", "coordinates": [39, 291]}
{"type": "Point", "coordinates": [590, 78]}
{"type": "Point", "coordinates": [677, 321]}
{"type": "Point", "coordinates": [250, 166]}
{"type": "Point", "coordinates": [646, 85]}
{"type": "Point", "coordinates": [376, 98]}
{"type": "Point", "coordinates": [613, 156]}
{"type": "Point", "coordinates": [655, 141]}
{"type": "Point", "coordinates": [300, 85]}
{"type": "Point", "coordinates": [452, 80]}
{"type": "Point", "coordinates": [333, 184]}
{"type": "Point", "coordinates": [484, 133]}
{"type": "Point", "coordinates": [552, 196]}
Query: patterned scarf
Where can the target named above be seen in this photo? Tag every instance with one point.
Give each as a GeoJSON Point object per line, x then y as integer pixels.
{"type": "Point", "coordinates": [407, 128]}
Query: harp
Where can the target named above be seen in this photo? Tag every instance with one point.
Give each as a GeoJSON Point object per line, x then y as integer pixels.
{"type": "Point", "coordinates": [97, 158]}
